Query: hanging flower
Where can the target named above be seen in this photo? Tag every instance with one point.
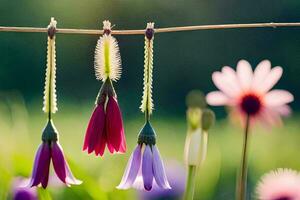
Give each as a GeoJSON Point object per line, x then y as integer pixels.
{"type": "Point", "coordinates": [281, 184]}
{"type": "Point", "coordinates": [105, 127]}
{"type": "Point", "coordinates": [145, 167]}
{"type": "Point", "coordinates": [248, 93]}
{"type": "Point", "coordinates": [50, 149]}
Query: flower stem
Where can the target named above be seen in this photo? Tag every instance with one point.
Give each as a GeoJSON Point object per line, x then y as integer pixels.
{"type": "Point", "coordinates": [190, 183]}
{"type": "Point", "coordinates": [241, 190]}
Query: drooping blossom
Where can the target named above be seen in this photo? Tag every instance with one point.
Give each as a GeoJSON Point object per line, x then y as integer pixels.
{"type": "Point", "coordinates": [20, 191]}
{"type": "Point", "coordinates": [145, 167]}
{"type": "Point", "coordinates": [176, 176]}
{"type": "Point", "coordinates": [105, 127]}
{"type": "Point", "coordinates": [248, 92]}
{"type": "Point", "coordinates": [50, 150]}
{"type": "Point", "coordinates": [280, 184]}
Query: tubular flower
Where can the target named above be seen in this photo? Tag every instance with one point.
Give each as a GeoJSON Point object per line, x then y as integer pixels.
{"type": "Point", "coordinates": [105, 127]}
{"type": "Point", "coordinates": [281, 184]}
{"type": "Point", "coordinates": [145, 167]}
{"type": "Point", "coordinates": [50, 149]}
{"type": "Point", "coordinates": [249, 93]}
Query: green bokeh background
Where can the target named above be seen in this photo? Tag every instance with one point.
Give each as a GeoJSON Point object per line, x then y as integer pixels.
{"type": "Point", "coordinates": [182, 61]}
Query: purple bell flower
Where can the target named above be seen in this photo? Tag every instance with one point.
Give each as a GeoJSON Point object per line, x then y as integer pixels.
{"type": "Point", "coordinates": [145, 167]}
{"type": "Point", "coordinates": [49, 150]}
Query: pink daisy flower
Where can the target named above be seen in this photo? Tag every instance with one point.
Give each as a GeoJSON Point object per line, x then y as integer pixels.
{"type": "Point", "coordinates": [248, 93]}
{"type": "Point", "coordinates": [281, 184]}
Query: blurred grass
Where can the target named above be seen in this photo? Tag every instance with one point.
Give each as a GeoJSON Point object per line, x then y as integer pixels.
{"type": "Point", "coordinates": [20, 133]}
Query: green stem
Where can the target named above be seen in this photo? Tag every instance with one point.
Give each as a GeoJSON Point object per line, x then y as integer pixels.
{"type": "Point", "coordinates": [190, 183]}
{"type": "Point", "coordinates": [241, 192]}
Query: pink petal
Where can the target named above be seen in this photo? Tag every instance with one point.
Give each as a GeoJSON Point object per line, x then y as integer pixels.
{"type": "Point", "coordinates": [270, 80]}
{"type": "Point", "coordinates": [278, 97]}
{"type": "Point", "coordinates": [230, 75]}
{"type": "Point", "coordinates": [222, 84]}
{"type": "Point", "coordinates": [283, 110]}
{"type": "Point", "coordinates": [270, 118]}
{"type": "Point", "coordinates": [245, 74]}
{"type": "Point", "coordinates": [114, 125]}
{"type": "Point", "coordinates": [217, 98]}
{"type": "Point", "coordinates": [260, 73]}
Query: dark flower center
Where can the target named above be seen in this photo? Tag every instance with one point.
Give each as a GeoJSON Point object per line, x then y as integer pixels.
{"type": "Point", "coordinates": [284, 198]}
{"type": "Point", "coordinates": [250, 104]}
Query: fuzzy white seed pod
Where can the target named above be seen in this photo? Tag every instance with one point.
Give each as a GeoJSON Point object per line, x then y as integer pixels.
{"type": "Point", "coordinates": [107, 56]}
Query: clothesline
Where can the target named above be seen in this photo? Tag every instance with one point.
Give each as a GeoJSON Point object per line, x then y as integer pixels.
{"type": "Point", "coordinates": [142, 31]}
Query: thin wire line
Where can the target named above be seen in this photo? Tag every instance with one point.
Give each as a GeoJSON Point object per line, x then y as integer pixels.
{"type": "Point", "coordinates": [157, 30]}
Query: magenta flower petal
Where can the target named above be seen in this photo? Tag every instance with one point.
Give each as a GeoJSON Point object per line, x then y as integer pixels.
{"type": "Point", "coordinates": [34, 177]}
{"type": "Point", "coordinates": [111, 148]}
{"type": "Point", "coordinates": [95, 130]}
{"type": "Point", "coordinates": [123, 144]}
{"type": "Point", "coordinates": [58, 160]}
{"type": "Point", "coordinates": [132, 169]}
{"type": "Point", "coordinates": [61, 166]}
{"type": "Point", "coordinates": [41, 165]}
{"type": "Point", "coordinates": [159, 170]}
{"type": "Point", "coordinates": [100, 147]}
{"type": "Point", "coordinates": [114, 126]}
{"type": "Point", "coordinates": [45, 177]}
{"type": "Point", "coordinates": [147, 168]}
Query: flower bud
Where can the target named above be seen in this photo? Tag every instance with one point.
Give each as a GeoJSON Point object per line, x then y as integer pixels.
{"type": "Point", "coordinates": [195, 98]}
{"type": "Point", "coordinates": [208, 119]}
{"type": "Point", "coordinates": [196, 147]}
{"type": "Point", "coordinates": [194, 117]}
{"type": "Point", "coordinates": [147, 135]}
{"type": "Point", "coordinates": [50, 133]}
